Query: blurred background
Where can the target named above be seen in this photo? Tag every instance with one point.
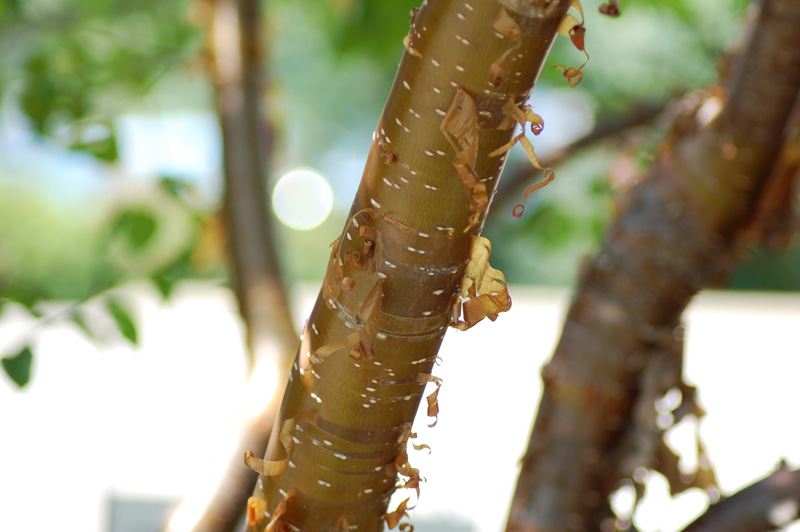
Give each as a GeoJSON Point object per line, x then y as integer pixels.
{"type": "Point", "coordinates": [123, 352]}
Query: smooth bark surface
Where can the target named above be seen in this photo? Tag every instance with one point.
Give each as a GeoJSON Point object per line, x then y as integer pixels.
{"type": "Point", "coordinates": [406, 263]}
{"type": "Point", "coordinates": [672, 239]}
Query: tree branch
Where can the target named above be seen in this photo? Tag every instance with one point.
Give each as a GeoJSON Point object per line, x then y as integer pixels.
{"type": "Point", "coordinates": [768, 504]}
{"type": "Point", "coordinates": [409, 262]}
{"type": "Point", "coordinates": [235, 52]}
{"type": "Point", "coordinates": [672, 239]}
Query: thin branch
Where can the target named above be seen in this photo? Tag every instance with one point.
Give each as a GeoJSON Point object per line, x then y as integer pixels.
{"type": "Point", "coordinates": [235, 53]}
{"type": "Point", "coordinates": [769, 504]}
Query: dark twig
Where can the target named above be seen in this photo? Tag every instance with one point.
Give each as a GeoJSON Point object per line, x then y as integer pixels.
{"type": "Point", "coordinates": [769, 504]}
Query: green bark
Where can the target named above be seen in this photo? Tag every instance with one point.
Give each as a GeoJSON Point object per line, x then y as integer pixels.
{"type": "Point", "coordinates": [407, 261]}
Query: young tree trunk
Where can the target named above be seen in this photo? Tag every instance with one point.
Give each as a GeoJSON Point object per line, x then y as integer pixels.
{"type": "Point", "coordinates": [406, 263]}
{"type": "Point", "coordinates": [235, 66]}
{"type": "Point", "coordinates": [621, 341]}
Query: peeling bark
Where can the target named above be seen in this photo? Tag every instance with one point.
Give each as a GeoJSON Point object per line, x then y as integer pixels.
{"type": "Point", "coordinates": [672, 239]}
{"type": "Point", "coordinates": [399, 275]}
{"type": "Point", "coordinates": [516, 178]}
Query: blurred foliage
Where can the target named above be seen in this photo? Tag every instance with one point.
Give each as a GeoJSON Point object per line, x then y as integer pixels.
{"type": "Point", "coordinates": [122, 317]}
{"type": "Point", "coordinates": [72, 68]}
{"type": "Point", "coordinates": [18, 367]}
{"type": "Point", "coordinates": [70, 62]}
{"type": "Point", "coordinates": [559, 227]}
{"type": "Point", "coordinates": [778, 271]}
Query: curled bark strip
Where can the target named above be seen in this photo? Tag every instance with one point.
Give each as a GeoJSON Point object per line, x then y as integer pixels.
{"type": "Point", "coordinates": [366, 323]}
{"type": "Point", "coordinates": [433, 407]}
{"type": "Point", "coordinates": [524, 115]}
{"type": "Point", "coordinates": [274, 523]}
{"type": "Point", "coordinates": [460, 128]}
{"type": "Point", "coordinates": [410, 46]}
{"type": "Point", "coordinates": [483, 292]}
{"type": "Point", "coordinates": [573, 75]}
{"type": "Point", "coordinates": [576, 31]}
{"type": "Point", "coordinates": [256, 510]}
{"type": "Point", "coordinates": [271, 468]}
{"type": "Point", "coordinates": [367, 317]}
{"type": "Point", "coordinates": [411, 473]}
{"type": "Point", "coordinates": [407, 40]}
{"type": "Point", "coordinates": [506, 26]}
{"type": "Point", "coordinates": [420, 446]}
{"type": "Point", "coordinates": [478, 198]}
{"type": "Point", "coordinates": [341, 525]}
{"type": "Point", "coordinates": [610, 8]}
{"type": "Point", "coordinates": [433, 399]}
{"type": "Point", "coordinates": [393, 518]}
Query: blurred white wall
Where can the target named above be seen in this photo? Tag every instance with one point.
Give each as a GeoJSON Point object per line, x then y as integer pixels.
{"type": "Point", "coordinates": [148, 422]}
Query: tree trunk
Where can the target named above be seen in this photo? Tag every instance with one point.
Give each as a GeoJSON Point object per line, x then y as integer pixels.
{"type": "Point", "coordinates": [620, 345]}
{"type": "Point", "coordinates": [235, 54]}
{"type": "Point", "coordinates": [405, 265]}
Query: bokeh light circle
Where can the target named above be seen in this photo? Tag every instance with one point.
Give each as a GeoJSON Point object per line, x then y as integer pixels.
{"type": "Point", "coordinates": [302, 199]}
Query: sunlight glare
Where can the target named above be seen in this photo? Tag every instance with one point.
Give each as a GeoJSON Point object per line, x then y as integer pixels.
{"type": "Point", "coordinates": [302, 199]}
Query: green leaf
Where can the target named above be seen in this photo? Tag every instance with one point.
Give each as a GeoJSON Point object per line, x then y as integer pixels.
{"type": "Point", "coordinates": [123, 319]}
{"type": "Point", "coordinates": [104, 148]}
{"type": "Point", "coordinates": [164, 284]}
{"type": "Point", "coordinates": [174, 187]}
{"type": "Point", "coordinates": [24, 298]}
{"type": "Point", "coordinates": [137, 227]}
{"type": "Point", "coordinates": [18, 367]}
{"type": "Point", "coordinates": [77, 318]}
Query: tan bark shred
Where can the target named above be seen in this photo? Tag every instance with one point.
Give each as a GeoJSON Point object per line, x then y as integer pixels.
{"type": "Point", "coordinates": [367, 316]}
{"type": "Point", "coordinates": [341, 525]}
{"type": "Point", "coordinates": [610, 8]}
{"type": "Point", "coordinates": [506, 26]}
{"type": "Point", "coordinates": [271, 468]}
{"type": "Point", "coordinates": [483, 293]}
{"type": "Point", "coordinates": [411, 473]}
{"type": "Point", "coordinates": [407, 40]}
{"type": "Point", "coordinates": [460, 128]}
{"type": "Point", "coordinates": [410, 47]}
{"type": "Point", "coordinates": [433, 398]}
{"type": "Point", "coordinates": [256, 510]}
{"type": "Point", "coordinates": [421, 446]}
{"type": "Point", "coordinates": [275, 523]}
{"type": "Point", "coordinates": [524, 115]}
{"type": "Point", "coordinates": [367, 321]}
{"type": "Point", "coordinates": [576, 31]}
{"type": "Point", "coordinates": [393, 518]}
